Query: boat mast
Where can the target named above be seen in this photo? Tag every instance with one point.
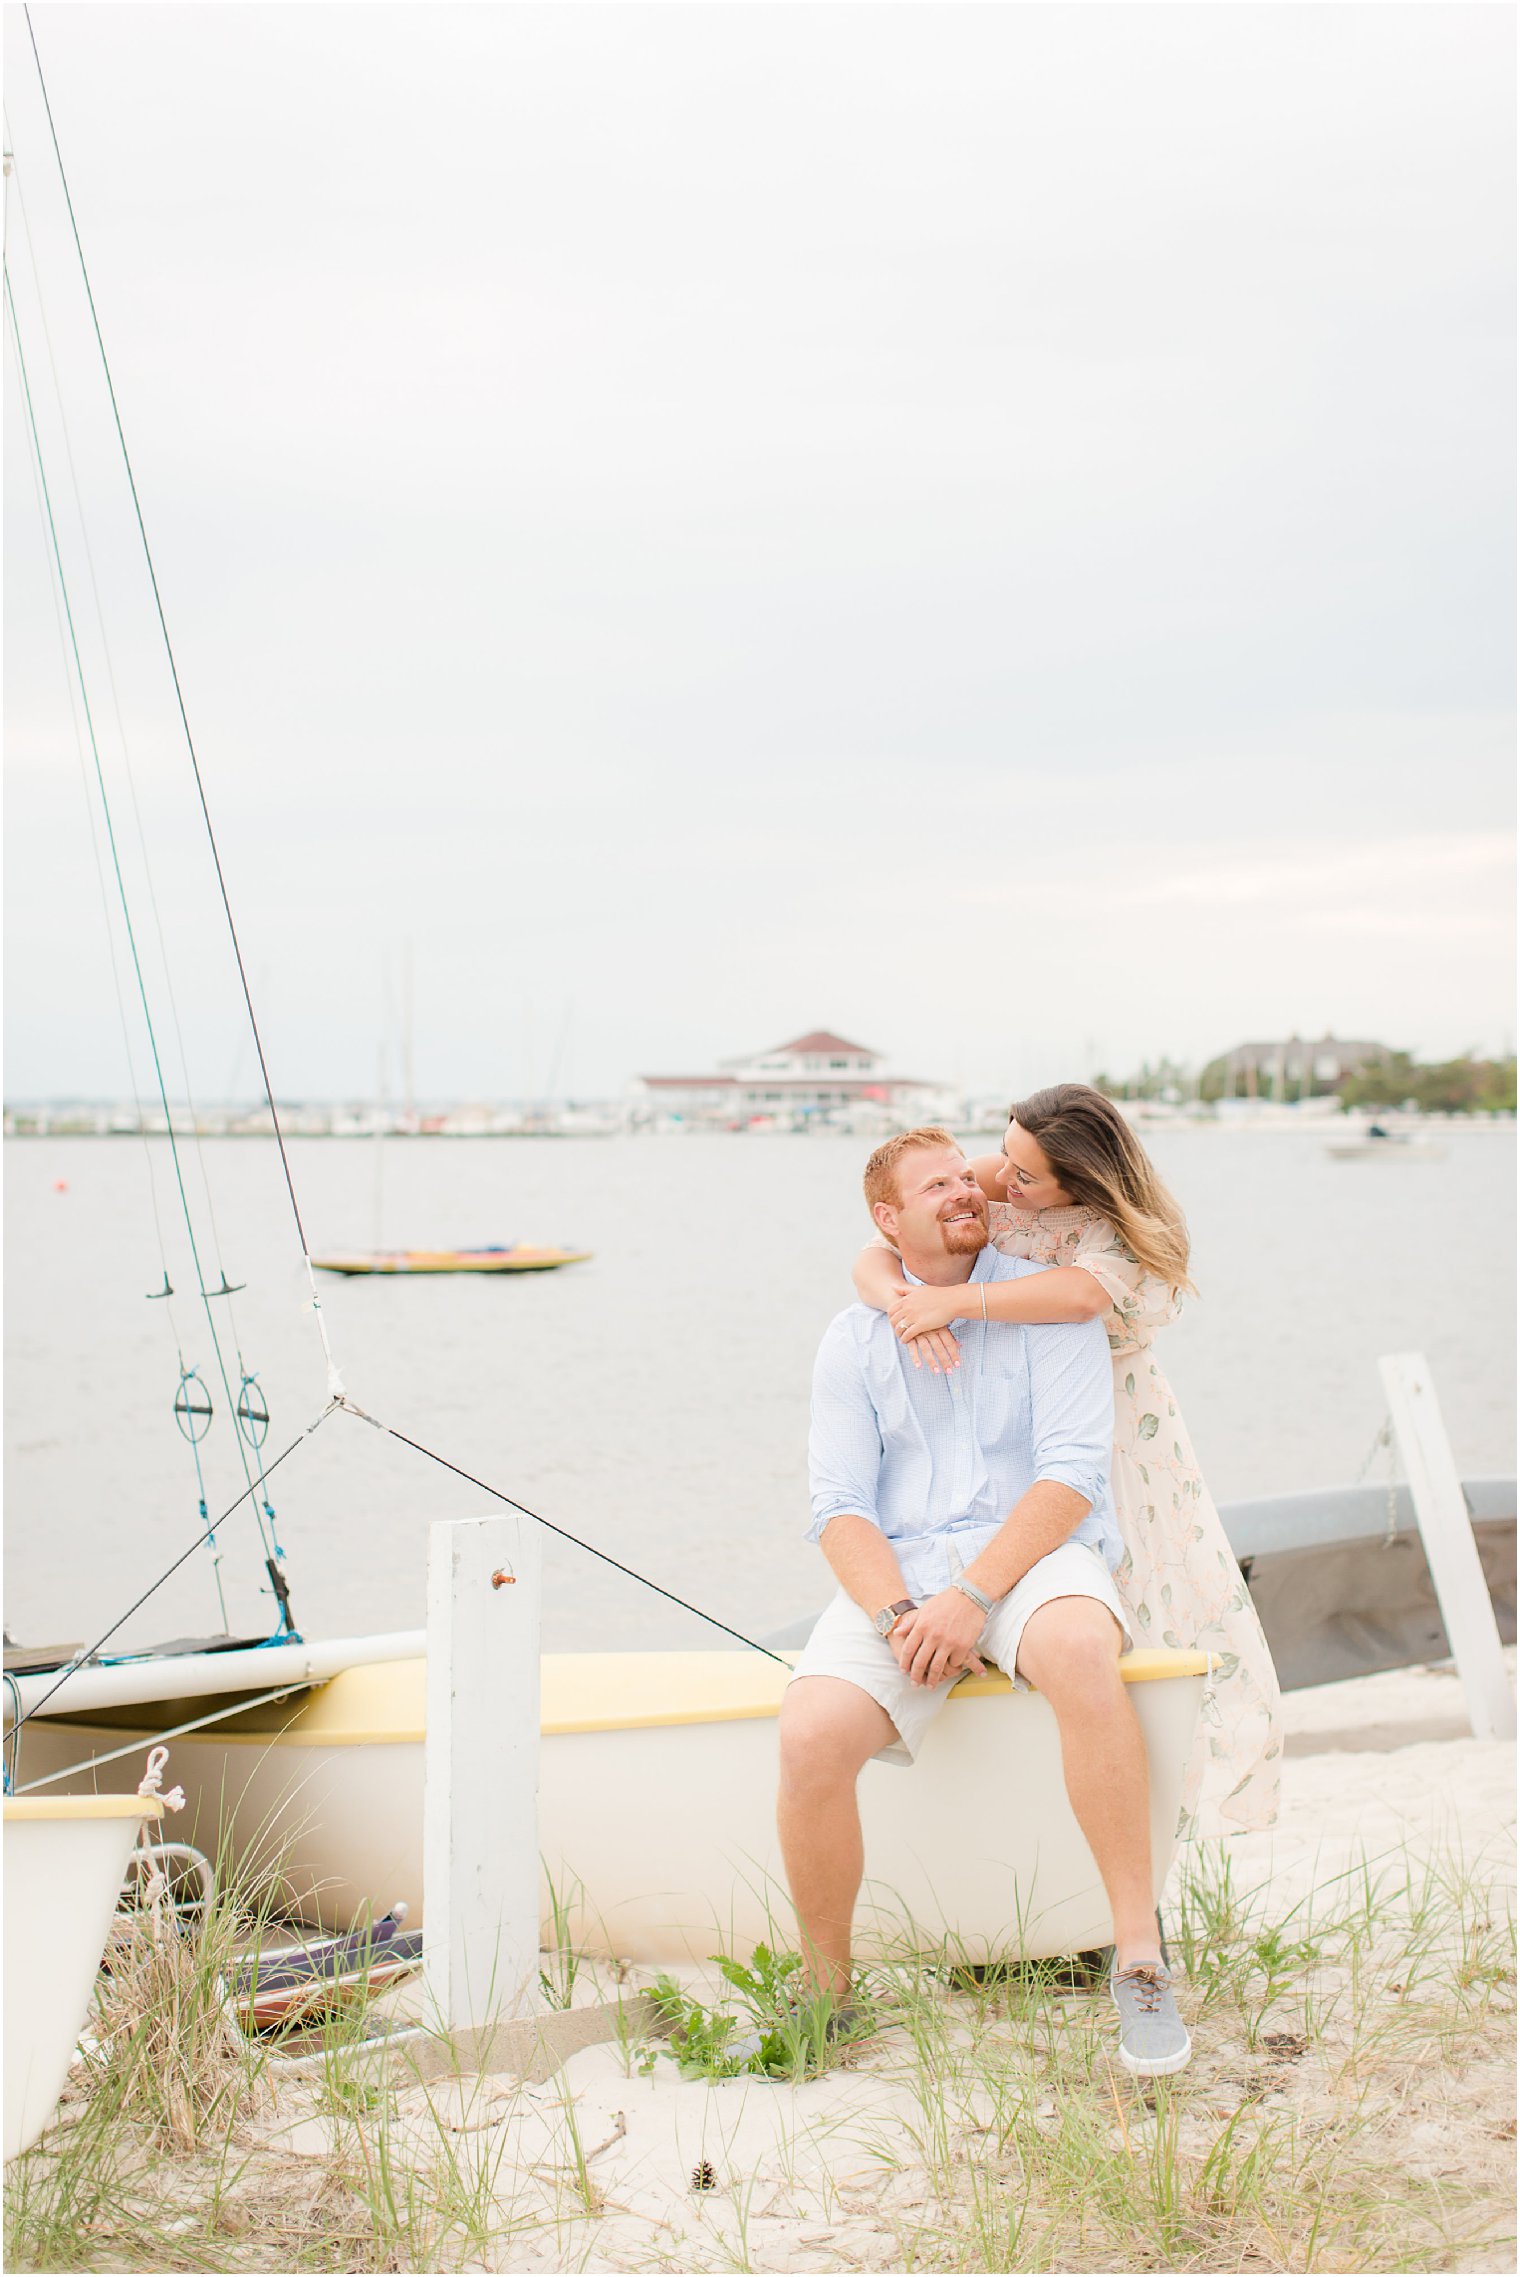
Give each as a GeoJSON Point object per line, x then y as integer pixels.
{"type": "Point", "coordinates": [408, 1072]}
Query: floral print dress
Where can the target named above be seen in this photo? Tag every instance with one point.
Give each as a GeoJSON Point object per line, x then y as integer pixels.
{"type": "Point", "coordinates": [1178, 1577]}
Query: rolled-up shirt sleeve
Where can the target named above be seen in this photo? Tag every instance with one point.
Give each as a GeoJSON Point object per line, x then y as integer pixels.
{"type": "Point", "coordinates": [1071, 1394]}
{"type": "Point", "coordinates": [844, 1440]}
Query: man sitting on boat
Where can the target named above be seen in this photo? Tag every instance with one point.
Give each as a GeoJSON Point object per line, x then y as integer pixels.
{"type": "Point", "coordinates": [966, 1516]}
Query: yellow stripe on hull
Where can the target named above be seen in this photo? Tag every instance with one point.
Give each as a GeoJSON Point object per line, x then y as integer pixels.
{"type": "Point", "coordinates": [44, 1810]}
{"type": "Point", "coordinates": [65, 1856]}
{"type": "Point", "coordinates": [657, 1793]}
{"type": "Point", "coordinates": [383, 1705]}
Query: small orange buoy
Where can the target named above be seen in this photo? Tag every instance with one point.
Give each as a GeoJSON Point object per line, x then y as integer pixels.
{"type": "Point", "coordinates": [60, 1185]}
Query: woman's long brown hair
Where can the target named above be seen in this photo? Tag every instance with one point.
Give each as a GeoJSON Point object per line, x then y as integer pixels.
{"type": "Point", "coordinates": [1100, 1162]}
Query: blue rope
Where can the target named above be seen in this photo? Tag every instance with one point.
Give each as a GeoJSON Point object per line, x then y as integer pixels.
{"type": "Point", "coordinates": [121, 889]}
{"type": "Point", "coordinates": [93, 1652]}
{"type": "Point", "coordinates": [13, 1736]}
{"type": "Point", "coordinates": [237, 951]}
{"type": "Point", "coordinates": [253, 1423]}
{"type": "Point", "coordinates": [185, 1412]}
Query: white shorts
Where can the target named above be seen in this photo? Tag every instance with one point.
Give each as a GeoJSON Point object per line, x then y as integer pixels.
{"type": "Point", "coordinates": [844, 1642]}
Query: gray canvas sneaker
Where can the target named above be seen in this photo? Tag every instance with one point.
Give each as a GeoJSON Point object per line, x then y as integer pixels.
{"type": "Point", "coordinates": [1152, 2036]}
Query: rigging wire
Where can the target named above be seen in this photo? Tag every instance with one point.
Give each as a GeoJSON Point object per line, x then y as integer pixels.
{"type": "Point", "coordinates": [251, 1419]}
{"type": "Point", "coordinates": [225, 1289]}
{"type": "Point", "coordinates": [134, 1746]}
{"type": "Point", "coordinates": [564, 1534]}
{"type": "Point", "coordinates": [166, 1294]}
{"type": "Point", "coordinates": [84, 699]}
{"type": "Point", "coordinates": [193, 1417]}
{"type": "Point", "coordinates": [337, 1397]}
{"type": "Point", "coordinates": [12, 1757]}
{"type": "Point", "coordinates": [81, 1659]}
{"type": "Point", "coordinates": [334, 1383]}
{"type": "Point", "coordinates": [34, 464]}
{"type": "Point", "coordinates": [275, 1553]}
{"type": "Point", "coordinates": [187, 1374]}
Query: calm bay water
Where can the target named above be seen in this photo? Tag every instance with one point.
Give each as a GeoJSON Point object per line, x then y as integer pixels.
{"type": "Point", "coordinates": [654, 1400]}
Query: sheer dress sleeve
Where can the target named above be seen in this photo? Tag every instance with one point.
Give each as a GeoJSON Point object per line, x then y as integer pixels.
{"type": "Point", "coordinates": [1142, 1300]}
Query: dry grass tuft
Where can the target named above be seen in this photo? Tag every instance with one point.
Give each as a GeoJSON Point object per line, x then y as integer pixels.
{"type": "Point", "coordinates": [167, 2049]}
{"type": "Point", "coordinates": [1348, 2109]}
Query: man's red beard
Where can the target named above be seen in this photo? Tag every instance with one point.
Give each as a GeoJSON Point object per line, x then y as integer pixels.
{"type": "Point", "coordinates": [968, 1236]}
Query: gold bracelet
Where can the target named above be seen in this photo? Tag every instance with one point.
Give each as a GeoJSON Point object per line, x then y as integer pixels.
{"type": "Point", "coordinates": [982, 1286]}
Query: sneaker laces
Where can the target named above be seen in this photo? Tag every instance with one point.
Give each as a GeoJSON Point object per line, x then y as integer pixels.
{"type": "Point", "coordinates": [1149, 1984]}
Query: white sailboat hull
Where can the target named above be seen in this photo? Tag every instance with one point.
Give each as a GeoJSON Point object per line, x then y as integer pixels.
{"type": "Point", "coordinates": [1384, 1150]}
{"type": "Point", "coordinates": [656, 1805]}
{"type": "Point", "coordinates": [151, 1678]}
{"type": "Point", "coordinates": [64, 1862]}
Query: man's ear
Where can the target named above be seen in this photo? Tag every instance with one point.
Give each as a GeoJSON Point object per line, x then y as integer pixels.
{"type": "Point", "coordinates": [885, 1214]}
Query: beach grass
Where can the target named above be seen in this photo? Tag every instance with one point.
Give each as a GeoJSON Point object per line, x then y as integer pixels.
{"type": "Point", "coordinates": [1347, 2109]}
{"type": "Point", "coordinates": [1319, 2031]}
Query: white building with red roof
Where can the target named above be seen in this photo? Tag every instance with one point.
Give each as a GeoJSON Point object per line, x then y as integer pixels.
{"type": "Point", "coordinates": [816, 1079]}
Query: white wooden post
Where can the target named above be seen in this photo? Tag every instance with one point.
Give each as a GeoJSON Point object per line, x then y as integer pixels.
{"type": "Point", "coordinates": [480, 1807]}
{"type": "Point", "coordinates": [1450, 1548]}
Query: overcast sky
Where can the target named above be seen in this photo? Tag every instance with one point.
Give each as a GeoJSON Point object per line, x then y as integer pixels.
{"type": "Point", "coordinates": [986, 528]}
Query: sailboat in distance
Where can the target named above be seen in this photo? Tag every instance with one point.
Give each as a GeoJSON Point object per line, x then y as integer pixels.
{"type": "Point", "coordinates": [483, 1257]}
{"type": "Point", "coordinates": [520, 1257]}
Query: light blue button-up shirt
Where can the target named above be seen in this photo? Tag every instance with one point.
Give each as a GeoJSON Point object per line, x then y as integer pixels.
{"type": "Point", "coordinates": [938, 1462]}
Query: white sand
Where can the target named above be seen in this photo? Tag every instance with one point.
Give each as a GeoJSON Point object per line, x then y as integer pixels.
{"type": "Point", "coordinates": [1383, 1770]}
{"type": "Point", "coordinates": [1378, 1771]}
{"type": "Point", "coordinates": [1379, 1777]}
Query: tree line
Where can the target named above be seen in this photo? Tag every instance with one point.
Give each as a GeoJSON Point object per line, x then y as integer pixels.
{"type": "Point", "coordinates": [1464, 1086]}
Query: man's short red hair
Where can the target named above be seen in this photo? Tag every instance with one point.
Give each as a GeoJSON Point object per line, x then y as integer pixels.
{"type": "Point", "coordinates": [881, 1171]}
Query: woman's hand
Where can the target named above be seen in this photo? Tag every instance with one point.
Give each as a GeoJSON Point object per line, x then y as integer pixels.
{"type": "Point", "coordinates": [938, 1352]}
{"type": "Point", "coordinates": [921, 1319]}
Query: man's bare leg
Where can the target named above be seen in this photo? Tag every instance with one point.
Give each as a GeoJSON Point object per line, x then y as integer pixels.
{"type": "Point", "coordinates": [829, 1729]}
{"type": "Point", "coordinates": [1070, 1653]}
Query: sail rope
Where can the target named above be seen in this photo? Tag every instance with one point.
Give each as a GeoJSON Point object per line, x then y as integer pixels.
{"type": "Point", "coordinates": [403, 1439]}
{"type": "Point", "coordinates": [12, 1757]}
{"type": "Point", "coordinates": [134, 1745]}
{"type": "Point", "coordinates": [91, 1652]}
{"type": "Point", "coordinates": [193, 1417]}
{"type": "Point", "coordinates": [498, 1495]}
{"type": "Point", "coordinates": [337, 1398]}
{"type": "Point", "coordinates": [34, 460]}
{"type": "Point", "coordinates": [1383, 1441]}
{"type": "Point", "coordinates": [334, 1382]}
{"type": "Point", "coordinates": [124, 743]}
{"type": "Point", "coordinates": [166, 1294]}
{"type": "Point", "coordinates": [126, 910]}
{"type": "Point", "coordinates": [126, 754]}
{"type": "Point", "coordinates": [274, 1552]}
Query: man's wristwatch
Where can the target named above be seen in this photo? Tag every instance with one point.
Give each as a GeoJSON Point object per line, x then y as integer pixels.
{"type": "Point", "coordinates": [889, 1616]}
{"type": "Point", "coordinates": [969, 1589]}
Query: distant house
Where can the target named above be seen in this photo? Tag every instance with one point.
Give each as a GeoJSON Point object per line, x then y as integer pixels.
{"type": "Point", "coordinates": [1292, 1067]}
{"type": "Point", "coordinates": [819, 1077]}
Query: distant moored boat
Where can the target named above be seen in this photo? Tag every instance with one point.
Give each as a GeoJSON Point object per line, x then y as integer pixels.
{"type": "Point", "coordinates": [1374, 1143]}
{"type": "Point", "coordinates": [514, 1257]}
